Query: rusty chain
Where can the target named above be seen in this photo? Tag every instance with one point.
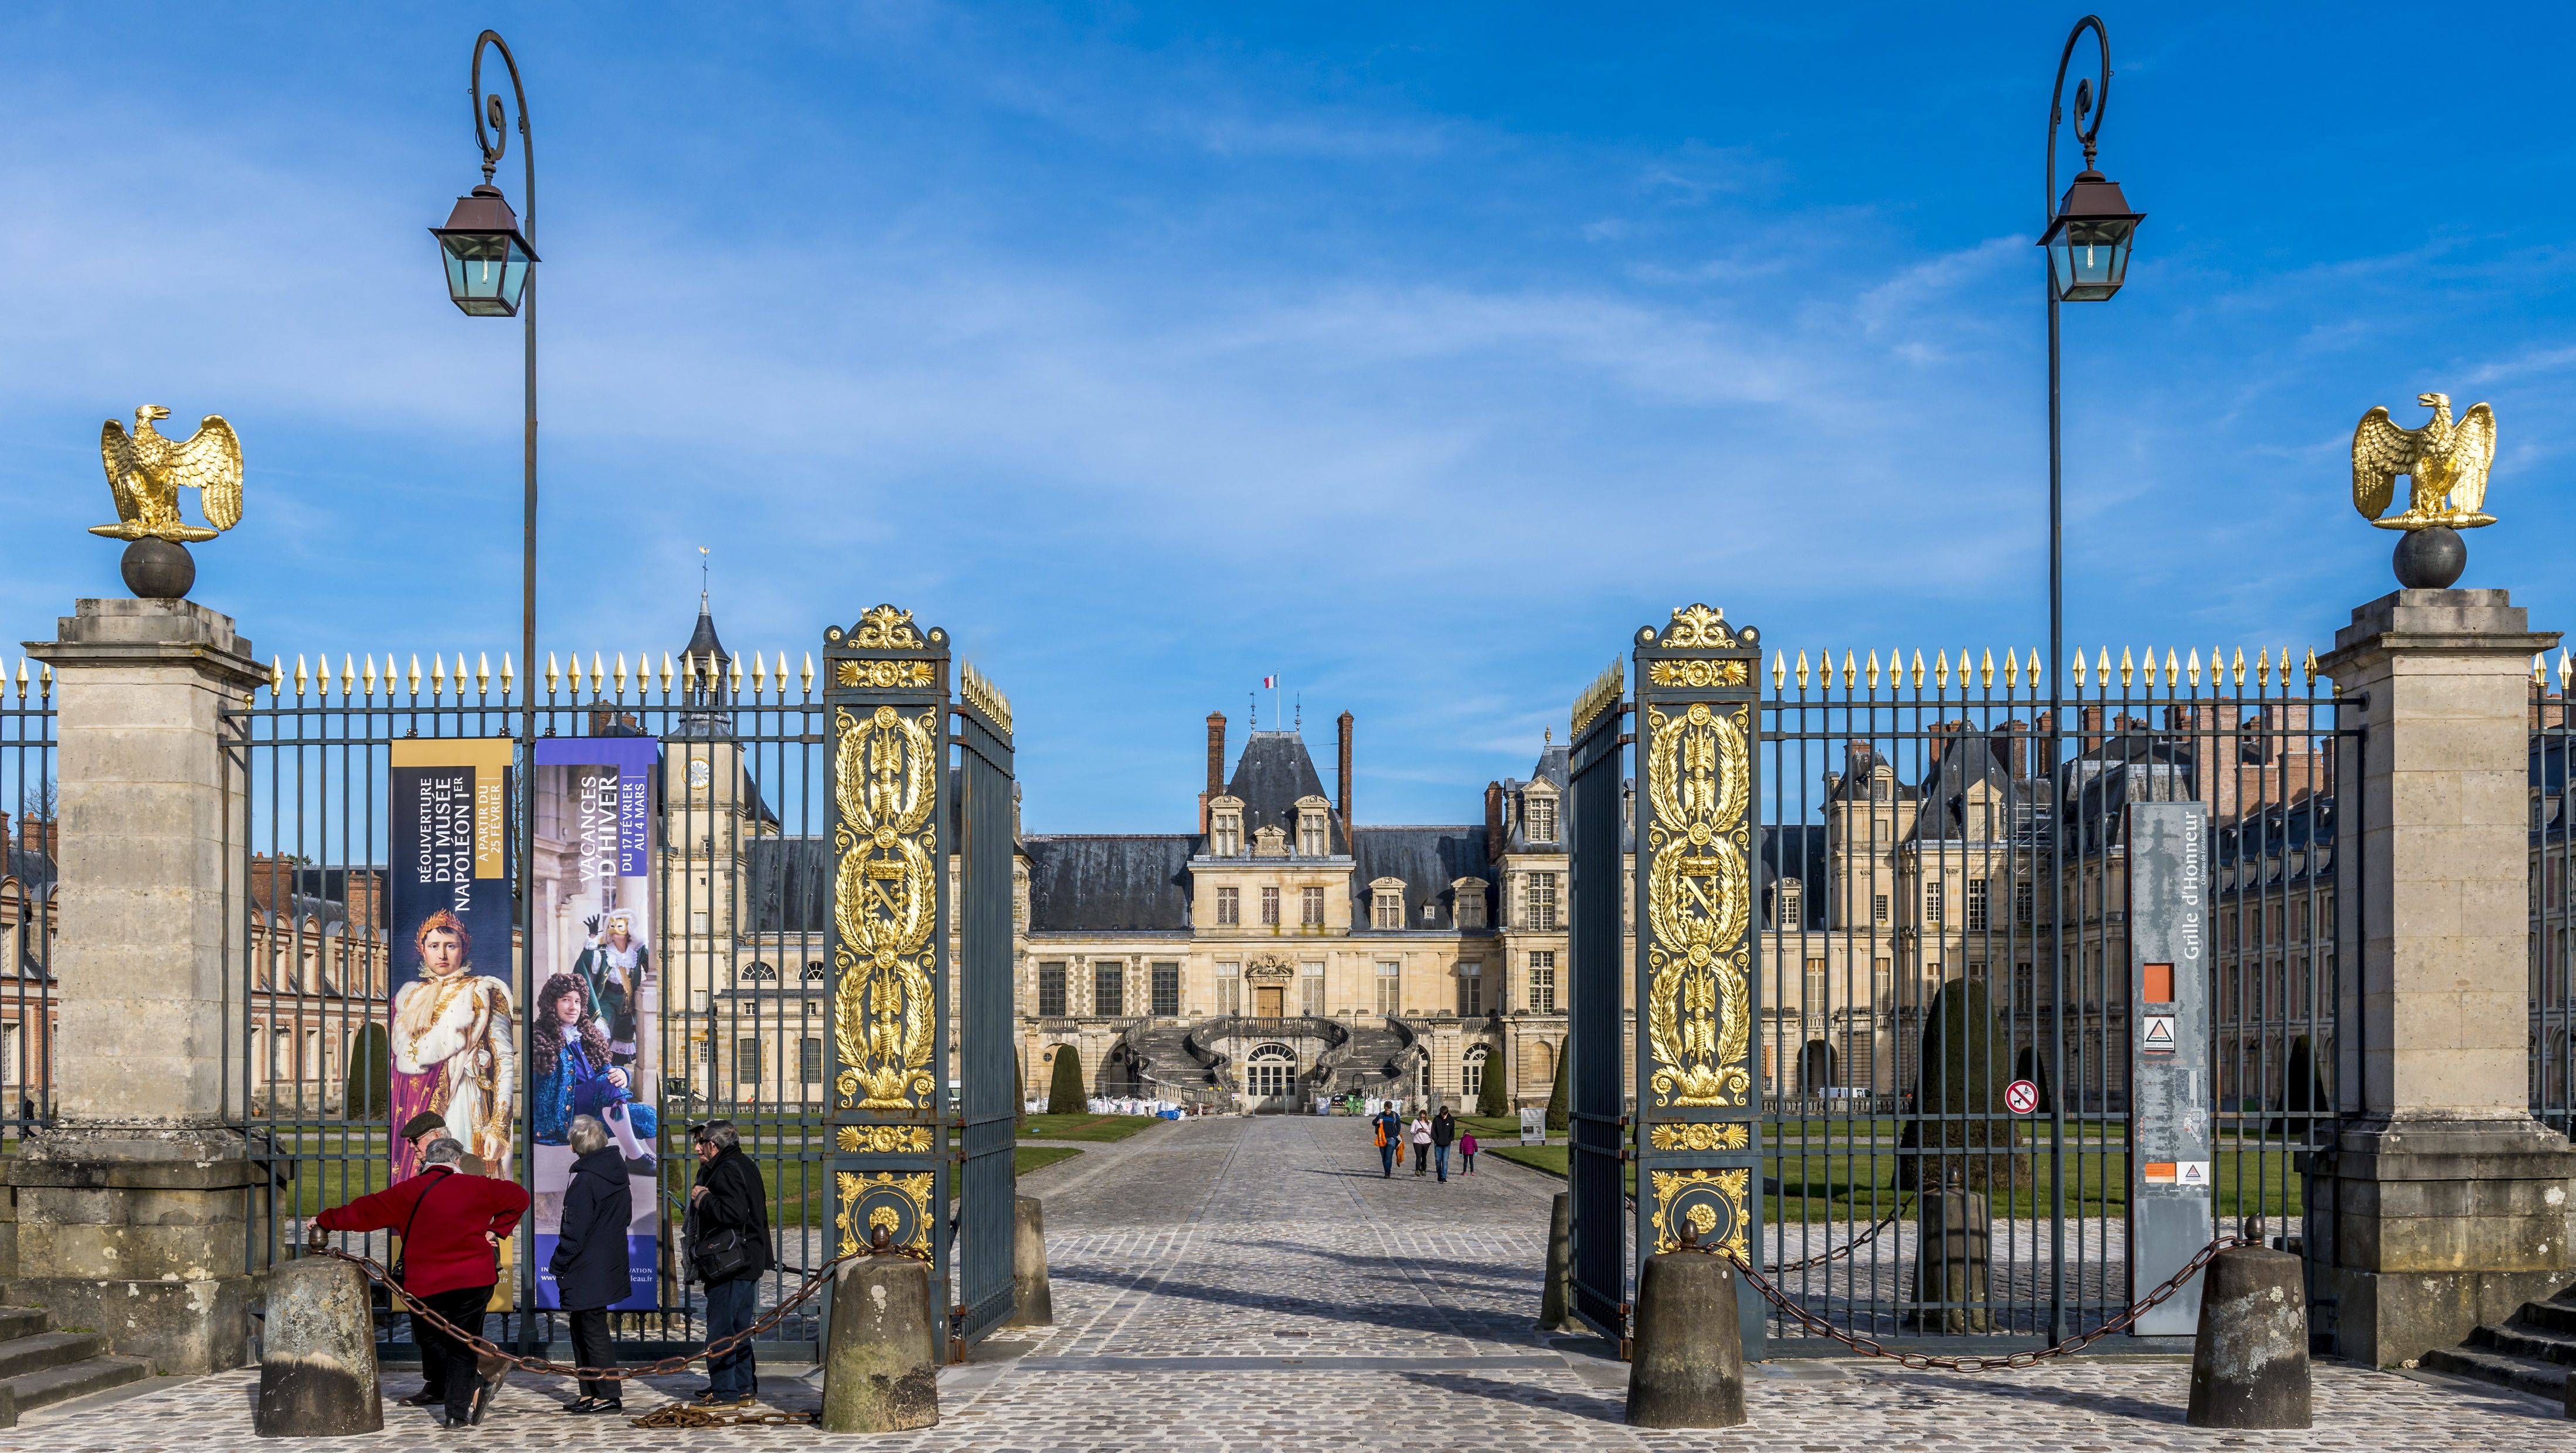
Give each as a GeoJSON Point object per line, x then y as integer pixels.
{"type": "Point", "coordinates": [487, 1350]}
{"type": "Point", "coordinates": [1925, 1361]}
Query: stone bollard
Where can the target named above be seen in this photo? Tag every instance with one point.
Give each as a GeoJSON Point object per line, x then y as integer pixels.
{"type": "Point", "coordinates": [1687, 1370]}
{"type": "Point", "coordinates": [317, 1366]}
{"type": "Point", "coordinates": [1951, 1231]}
{"type": "Point", "coordinates": [2249, 1366]}
{"type": "Point", "coordinates": [1556, 1298]}
{"type": "Point", "coordinates": [878, 1376]}
{"type": "Point", "coordinates": [1032, 1302]}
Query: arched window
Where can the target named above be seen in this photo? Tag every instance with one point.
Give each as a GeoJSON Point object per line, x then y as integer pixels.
{"type": "Point", "coordinates": [1270, 1072]}
{"type": "Point", "coordinates": [1471, 1073]}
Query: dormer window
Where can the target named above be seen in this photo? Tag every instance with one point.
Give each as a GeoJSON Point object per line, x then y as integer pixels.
{"type": "Point", "coordinates": [1468, 894]}
{"type": "Point", "coordinates": [1538, 813]}
{"type": "Point", "coordinates": [1269, 842]}
{"type": "Point", "coordinates": [1312, 839]}
{"type": "Point", "coordinates": [1386, 903]}
{"type": "Point", "coordinates": [1787, 899]}
{"type": "Point", "coordinates": [1225, 827]}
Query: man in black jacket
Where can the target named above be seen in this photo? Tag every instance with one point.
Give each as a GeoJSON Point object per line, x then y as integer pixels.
{"type": "Point", "coordinates": [1444, 1132]}
{"type": "Point", "coordinates": [732, 1209]}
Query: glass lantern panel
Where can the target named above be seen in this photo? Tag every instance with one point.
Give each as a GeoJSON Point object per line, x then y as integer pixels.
{"type": "Point", "coordinates": [486, 272]}
{"type": "Point", "coordinates": [2090, 257]}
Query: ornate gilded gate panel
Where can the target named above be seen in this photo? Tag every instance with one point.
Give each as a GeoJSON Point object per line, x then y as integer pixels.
{"type": "Point", "coordinates": [1698, 1092]}
{"type": "Point", "coordinates": [886, 728]}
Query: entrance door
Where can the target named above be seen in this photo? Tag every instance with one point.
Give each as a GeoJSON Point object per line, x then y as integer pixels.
{"type": "Point", "coordinates": [1270, 1077]}
{"type": "Point", "coordinates": [1270, 1003]}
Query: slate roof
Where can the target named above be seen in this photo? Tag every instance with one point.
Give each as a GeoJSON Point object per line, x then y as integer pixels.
{"type": "Point", "coordinates": [1967, 762]}
{"type": "Point", "coordinates": [1111, 883]}
{"type": "Point", "coordinates": [33, 870]}
{"type": "Point", "coordinates": [1428, 859]}
{"type": "Point", "coordinates": [787, 885]}
{"type": "Point", "coordinates": [1796, 851]}
{"type": "Point", "coordinates": [1271, 775]}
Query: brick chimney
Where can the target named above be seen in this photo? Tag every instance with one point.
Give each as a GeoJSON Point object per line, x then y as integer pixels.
{"type": "Point", "coordinates": [1494, 822]}
{"type": "Point", "coordinates": [1216, 765]}
{"type": "Point", "coordinates": [1349, 842]}
{"type": "Point", "coordinates": [37, 835]}
{"type": "Point", "coordinates": [2089, 738]}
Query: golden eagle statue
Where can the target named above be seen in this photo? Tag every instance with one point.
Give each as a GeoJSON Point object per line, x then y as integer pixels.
{"type": "Point", "coordinates": [2447, 460]}
{"type": "Point", "coordinates": [146, 472]}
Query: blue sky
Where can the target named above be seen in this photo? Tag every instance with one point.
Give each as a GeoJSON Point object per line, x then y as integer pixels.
{"type": "Point", "coordinates": [1418, 354]}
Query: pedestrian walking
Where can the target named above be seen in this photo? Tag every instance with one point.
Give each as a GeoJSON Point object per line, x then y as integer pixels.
{"type": "Point", "coordinates": [1467, 1151]}
{"type": "Point", "coordinates": [1420, 1135]}
{"type": "Point", "coordinates": [589, 1265]}
{"type": "Point", "coordinates": [730, 1208]}
{"type": "Point", "coordinates": [1390, 1139]}
{"type": "Point", "coordinates": [451, 1225]}
{"type": "Point", "coordinates": [1444, 1133]}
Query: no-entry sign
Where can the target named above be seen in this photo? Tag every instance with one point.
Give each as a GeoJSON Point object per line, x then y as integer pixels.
{"type": "Point", "coordinates": [2021, 1096]}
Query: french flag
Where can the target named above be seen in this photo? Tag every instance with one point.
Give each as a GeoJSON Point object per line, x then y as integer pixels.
{"type": "Point", "coordinates": [1269, 683]}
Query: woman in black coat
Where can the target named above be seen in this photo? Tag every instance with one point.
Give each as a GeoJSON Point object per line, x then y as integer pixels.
{"type": "Point", "coordinates": [589, 1263]}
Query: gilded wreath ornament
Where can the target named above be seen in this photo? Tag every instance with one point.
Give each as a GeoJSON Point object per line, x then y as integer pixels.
{"type": "Point", "coordinates": [1694, 1198]}
{"type": "Point", "coordinates": [1698, 902]}
{"type": "Point", "coordinates": [884, 905]}
{"type": "Point", "coordinates": [883, 675]}
{"type": "Point", "coordinates": [872, 1201]}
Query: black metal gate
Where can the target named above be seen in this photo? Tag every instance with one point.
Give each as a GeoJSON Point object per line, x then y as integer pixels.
{"type": "Point", "coordinates": [1597, 1138]}
{"type": "Point", "coordinates": [1695, 1085]}
{"type": "Point", "coordinates": [1937, 1025]}
{"type": "Point", "coordinates": [990, 1099]}
{"type": "Point", "coordinates": [893, 823]}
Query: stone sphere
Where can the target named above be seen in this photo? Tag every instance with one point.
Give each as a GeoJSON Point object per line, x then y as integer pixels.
{"type": "Point", "coordinates": [158, 569]}
{"type": "Point", "coordinates": [2431, 559]}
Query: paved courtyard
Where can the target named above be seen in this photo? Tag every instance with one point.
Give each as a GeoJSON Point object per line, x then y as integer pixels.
{"type": "Point", "coordinates": [1254, 1284]}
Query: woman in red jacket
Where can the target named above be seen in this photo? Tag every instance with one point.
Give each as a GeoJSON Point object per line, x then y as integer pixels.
{"type": "Point", "coordinates": [451, 1224]}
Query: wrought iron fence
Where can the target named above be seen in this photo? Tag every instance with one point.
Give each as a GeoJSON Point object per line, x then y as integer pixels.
{"type": "Point", "coordinates": [737, 939]}
{"type": "Point", "coordinates": [2553, 900]}
{"type": "Point", "coordinates": [28, 874]}
{"type": "Point", "coordinates": [1911, 810]}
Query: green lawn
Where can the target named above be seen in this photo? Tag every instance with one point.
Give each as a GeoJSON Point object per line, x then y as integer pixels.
{"type": "Point", "coordinates": [1027, 1158]}
{"type": "Point", "coordinates": [1084, 1127]}
{"type": "Point", "coordinates": [1821, 1187]}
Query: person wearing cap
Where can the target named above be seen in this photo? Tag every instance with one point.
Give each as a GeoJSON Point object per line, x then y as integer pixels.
{"type": "Point", "coordinates": [425, 1127]}
{"type": "Point", "coordinates": [729, 1209]}
{"type": "Point", "coordinates": [451, 1226]}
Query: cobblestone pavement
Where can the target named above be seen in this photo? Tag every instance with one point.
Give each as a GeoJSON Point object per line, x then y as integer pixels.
{"type": "Point", "coordinates": [1254, 1284]}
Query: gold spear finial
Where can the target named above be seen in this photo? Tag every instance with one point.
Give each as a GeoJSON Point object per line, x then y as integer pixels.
{"type": "Point", "coordinates": [2192, 669]}
{"type": "Point", "coordinates": [1802, 669]}
{"type": "Point", "coordinates": [1779, 670]}
{"type": "Point", "coordinates": [1941, 671]}
{"type": "Point", "coordinates": [301, 681]}
{"type": "Point", "coordinates": [733, 681]}
{"type": "Point", "coordinates": [1873, 670]}
{"type": "Point", "coordinates": [1918, 668]}
{"type": "Point", "coordinates": [483, 675]}
{"type": "Point", "coordinates": [1851, 670]}
{"type": "Point", "coordinates": [666, 675]}
{"type": "Point", "coordinates": [2311, 667]}
{"type": "Point", "coordinates": [806, 680]}
{"type": "Point", "coordinates": [276, 677]}
{"type": "Point", "coordinates": [2079, 668]}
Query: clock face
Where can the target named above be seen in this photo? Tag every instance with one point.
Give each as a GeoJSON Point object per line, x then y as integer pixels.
{"type": "Point", "coordinates": [700, 774]}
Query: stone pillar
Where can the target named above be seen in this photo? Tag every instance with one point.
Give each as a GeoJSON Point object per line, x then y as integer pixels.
{"type": "Point", "coordinates": [2441, 1203]}
{"type": "Point", "coordinates": [133, 1205]}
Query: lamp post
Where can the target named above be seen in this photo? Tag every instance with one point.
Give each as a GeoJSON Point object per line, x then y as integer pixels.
{"type": "Point", "coordinates": [490, 260]}
{"type": "Point", "coordinates": [2087, 240]}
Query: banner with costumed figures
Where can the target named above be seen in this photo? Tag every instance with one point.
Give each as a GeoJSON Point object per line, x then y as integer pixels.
{"type": "Point", "coordinates": [453, 1028]}
{"type": "Point", "coordinates": [594, 1017]}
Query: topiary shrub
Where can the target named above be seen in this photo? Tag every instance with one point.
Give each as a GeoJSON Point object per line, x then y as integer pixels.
{"type": "Point", "coordinates": [1960, 1070]}
{"type": "Point", "coordinates": [1556, 1121]}
{"type": "Point", "coordinates": [1490, 1099]}
{"type": "Point", "coordinates": [369, 1089]}
{"type": "Point", "coordinates": [1065, 1096]}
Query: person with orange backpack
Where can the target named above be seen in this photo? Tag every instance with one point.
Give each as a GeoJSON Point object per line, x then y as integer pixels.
{"type": "Point", "coordinates": [1390, 1141]}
